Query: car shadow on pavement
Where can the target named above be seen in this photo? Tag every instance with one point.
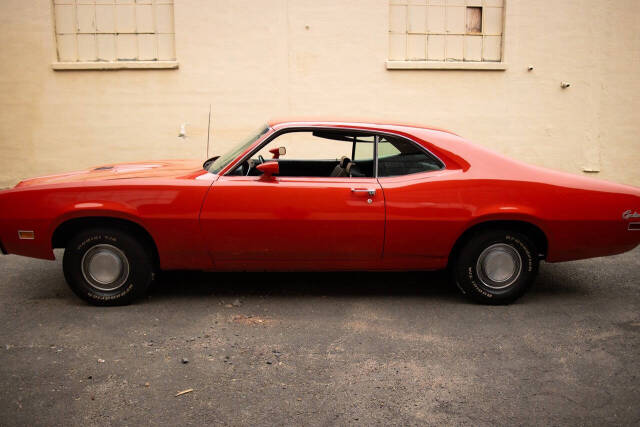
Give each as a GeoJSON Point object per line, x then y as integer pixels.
{"type": "Point", "coordinates": [554, 281]}
{"type": "Point", "coordinates": [557, 280]}
{"type": "Point", "coordinates": [175, 284]}
{"type": "Point", "coordinates": [189, 283]}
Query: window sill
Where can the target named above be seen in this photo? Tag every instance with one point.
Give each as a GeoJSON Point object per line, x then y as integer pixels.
{"type": "Point", "coordinates": [115, 65]}
{"type": "Point", "coordinates": [445, 65]}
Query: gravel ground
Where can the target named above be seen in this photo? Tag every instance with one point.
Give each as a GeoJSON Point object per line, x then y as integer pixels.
{"type": "Point", "coordinates": [322, 349]}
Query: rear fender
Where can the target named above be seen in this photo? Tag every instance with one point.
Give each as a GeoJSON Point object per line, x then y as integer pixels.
{"type": "Point", "coordinates": [510, 217]}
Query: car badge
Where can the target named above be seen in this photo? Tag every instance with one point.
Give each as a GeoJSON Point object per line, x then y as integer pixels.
{"type": "Point", "coordinates": [629, 214]}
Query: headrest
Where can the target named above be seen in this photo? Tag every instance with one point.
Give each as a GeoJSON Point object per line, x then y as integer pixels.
{"type": "Point", "coordinates": [349, 166]}
{"type": "Point", "coordinates": [344, 161]}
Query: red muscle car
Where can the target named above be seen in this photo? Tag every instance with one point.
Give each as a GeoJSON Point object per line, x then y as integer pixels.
{"type": "Point", "coordinates": [320, 196]}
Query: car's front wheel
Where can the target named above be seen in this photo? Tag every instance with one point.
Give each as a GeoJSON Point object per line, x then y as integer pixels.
{"type": "Point", "coordinates": [496, 266]}
{"type": "Point", "coordinates": [107, 266]}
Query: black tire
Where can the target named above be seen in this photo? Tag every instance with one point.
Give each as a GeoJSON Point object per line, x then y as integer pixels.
{"type": "Point", "coordinates": [472, 268]}
{"type": "Point", "coordinates": [133, 261]}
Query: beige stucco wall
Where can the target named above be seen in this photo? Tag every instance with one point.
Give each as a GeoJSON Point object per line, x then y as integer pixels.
{"type": "Point", "coordinates": [253, 60]}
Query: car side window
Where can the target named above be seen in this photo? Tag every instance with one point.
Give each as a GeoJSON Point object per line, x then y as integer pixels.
{"type": "Point", "coordinates": [363, 151]}
{"type": "Point", "coordinates": [397, 156]}
{"type": "Point", "coordinates": [322, 153]}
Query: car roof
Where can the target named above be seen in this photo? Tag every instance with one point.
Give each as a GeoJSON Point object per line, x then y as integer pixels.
{"type": "Point", "coordinates": [364, 125]}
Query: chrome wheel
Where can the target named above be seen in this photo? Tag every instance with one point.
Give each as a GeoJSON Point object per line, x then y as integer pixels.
{"type": "Point", "coordinates": [105, 267]}
{"type": "Point", "coordinates": [499, 266]}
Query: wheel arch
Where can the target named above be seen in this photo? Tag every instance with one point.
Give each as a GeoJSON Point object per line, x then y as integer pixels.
{"type": "Point", "coordinates": [533, 231]}
{"type": "Point", "coordinates": [67, 229]}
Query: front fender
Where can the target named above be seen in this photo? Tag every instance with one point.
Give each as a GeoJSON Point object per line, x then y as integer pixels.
{"type": "Point", "coordinates": [42, 213]}
{"type": "Point", "coordinates": [97, 209]}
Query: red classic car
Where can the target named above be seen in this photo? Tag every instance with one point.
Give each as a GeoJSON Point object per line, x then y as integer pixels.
{"type": "Point", "coordinates": [320, 196]}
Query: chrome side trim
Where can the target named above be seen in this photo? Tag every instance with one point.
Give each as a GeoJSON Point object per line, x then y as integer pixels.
{"type": "Point", "coordinates": [634, 226]}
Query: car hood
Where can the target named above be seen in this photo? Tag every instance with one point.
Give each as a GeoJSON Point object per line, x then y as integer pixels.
{"type": "Point", "coordinates": [184, 169]}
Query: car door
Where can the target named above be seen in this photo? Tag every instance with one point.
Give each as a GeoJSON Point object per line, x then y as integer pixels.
{"type": "Point", "coordinates": [285, 221]}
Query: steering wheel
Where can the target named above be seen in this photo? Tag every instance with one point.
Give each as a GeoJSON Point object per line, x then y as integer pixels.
{"type": "Point", "coordinates": [251, 164]}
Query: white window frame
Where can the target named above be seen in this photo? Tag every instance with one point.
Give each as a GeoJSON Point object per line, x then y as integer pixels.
{"type": "Point", "coordinates": [115, 64]}
{"type": "Point", "coordinates": [501, 65]}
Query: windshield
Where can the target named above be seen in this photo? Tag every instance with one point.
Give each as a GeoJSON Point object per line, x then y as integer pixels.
{"type": "Point", "coordinates": [218, 164]}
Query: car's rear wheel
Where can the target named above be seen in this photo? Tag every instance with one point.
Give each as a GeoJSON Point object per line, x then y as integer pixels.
{"type": "Point", "coordinates": [107, 266]}
{"type": "Point", "coordinates": [496, 266]}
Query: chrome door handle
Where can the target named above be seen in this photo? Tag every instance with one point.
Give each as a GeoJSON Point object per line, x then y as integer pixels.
{"type": "Point", "coordinates": [369, 191]}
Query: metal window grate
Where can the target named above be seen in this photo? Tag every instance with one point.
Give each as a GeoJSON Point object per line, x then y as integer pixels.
{"type": "Point", "coordinates": [114, 30]}
{"type": "Point", "coordinates": [446, 30]}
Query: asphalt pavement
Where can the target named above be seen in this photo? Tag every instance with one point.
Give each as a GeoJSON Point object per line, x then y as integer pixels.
{"type": "Point", "coordinates": [322, 349]}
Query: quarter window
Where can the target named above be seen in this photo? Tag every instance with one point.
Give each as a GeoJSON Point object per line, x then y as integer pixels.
{"type": "Point", "coordinates": [398, 156]}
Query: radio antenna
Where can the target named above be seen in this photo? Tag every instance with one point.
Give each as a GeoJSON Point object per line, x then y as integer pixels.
{"type": "Point", "coordinates": [208, 132]}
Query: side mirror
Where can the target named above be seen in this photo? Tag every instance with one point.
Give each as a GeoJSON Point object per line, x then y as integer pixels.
{"type": "Point", "coordinates": [277, 152]}
{"type": "Point", "coordinates": [268, 169]}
